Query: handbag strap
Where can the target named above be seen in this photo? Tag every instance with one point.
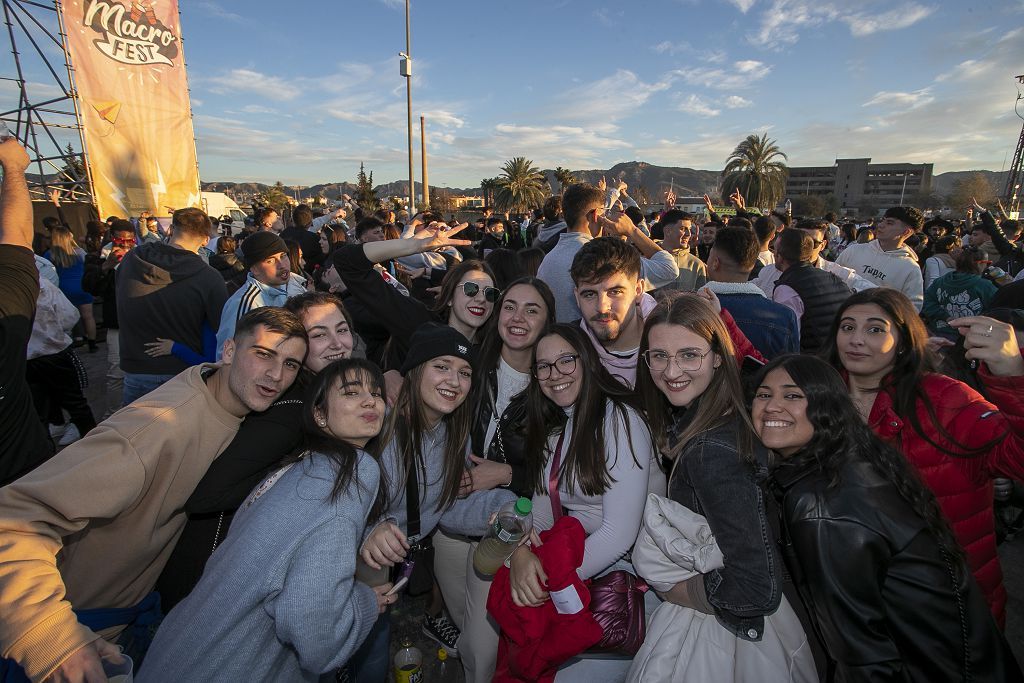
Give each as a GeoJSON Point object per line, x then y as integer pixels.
{"type": "Point", "coordinates": [412, 505]}
{"type": "Point", "coordinates": [556, 465]}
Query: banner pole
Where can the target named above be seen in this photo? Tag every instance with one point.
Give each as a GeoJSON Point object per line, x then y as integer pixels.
{"type": "Point", "coordinates": [191, 116]}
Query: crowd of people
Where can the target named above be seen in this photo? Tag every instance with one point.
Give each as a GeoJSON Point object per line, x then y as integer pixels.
{"type": "Point", "coordinates": [798, 431]}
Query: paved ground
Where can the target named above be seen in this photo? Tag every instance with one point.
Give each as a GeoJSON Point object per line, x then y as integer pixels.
{"type": "Point", "coordinates": [406, 622]}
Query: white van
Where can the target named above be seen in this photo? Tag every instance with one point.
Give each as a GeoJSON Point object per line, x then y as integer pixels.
{"type": "Point", "coordinates": [219, 205]}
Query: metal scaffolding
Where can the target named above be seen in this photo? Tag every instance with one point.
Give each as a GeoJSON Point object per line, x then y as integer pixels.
{"type": "Point", "coordinates": [46, 119]}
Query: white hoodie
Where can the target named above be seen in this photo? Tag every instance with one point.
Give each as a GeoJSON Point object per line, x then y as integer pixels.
{"type": "Point", "coordinates": [896, 268]}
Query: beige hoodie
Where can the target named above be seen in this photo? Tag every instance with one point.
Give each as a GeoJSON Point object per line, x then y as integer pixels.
{"type": "Point", "coordinates": [93, 526]}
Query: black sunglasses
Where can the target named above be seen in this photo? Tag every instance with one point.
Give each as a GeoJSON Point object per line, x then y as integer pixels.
{"type": "Point", "coordinates": [471, 289]}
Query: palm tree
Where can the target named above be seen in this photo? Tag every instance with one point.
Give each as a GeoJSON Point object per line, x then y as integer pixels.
{"type": "Point", "coordinates": [564, 178]}
{"type": "Point", "coordinates": [755, 170]}
{"type": "Point", "coordinates": [521, 186]}
{"type": "Point", "coordinates": [487, 188]}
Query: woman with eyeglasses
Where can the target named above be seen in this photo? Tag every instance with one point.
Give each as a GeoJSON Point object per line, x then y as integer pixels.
{"type": "Point", "coordinates": [694, 400]}
{"type": "Point", "coordinates": [956, 439]}
{"type": "Point", "coordinates": [386, 319]}
{"type": "Point", "coordinates": [423, 462]}
{"type": "Point", "coordinates": [497, 441]}
{"type": "Point", "coordinates": [960, 293]}
{"type": "Point", "coordinates": [279, 600]}
{"type": "Point", "coordinates": [881, 573]}
{"type": "Point", "coordinates": [590, 455]}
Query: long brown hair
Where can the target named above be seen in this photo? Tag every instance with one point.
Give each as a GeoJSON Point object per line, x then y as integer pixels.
{"type": "Point", "coordinates": [64, 251]}
{"type": "Point", "coordinates": [723, 400]}
{"type": "Point", "coordinates": [407, 422]}
{"type": "Point", "coordinates": [585, 462]}
{"type": "Point", "coordinates": [452, 280]}
{"type": "Point", "coordinates": [914, 361]}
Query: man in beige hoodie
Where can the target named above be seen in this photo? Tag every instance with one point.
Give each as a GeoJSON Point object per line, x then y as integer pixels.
{"type": "Point", "coordinates": [92, 527]}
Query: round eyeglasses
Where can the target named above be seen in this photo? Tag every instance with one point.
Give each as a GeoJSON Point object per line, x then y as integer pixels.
{"type": "Point", "coordinates": [687, 360]}
{"type": "Point", "coordinates": [471, 289]}
{"type": "Point", "coordinates": [566, 365]}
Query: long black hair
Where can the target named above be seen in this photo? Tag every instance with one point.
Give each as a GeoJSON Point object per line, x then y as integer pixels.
{"type": "Point", "coordinates": [841, 436]}
{"type": "Point", "coordinates": [914, 361]}
{"type": "Point", "coordinates": [343, 453]}
{"type": "Point", "coordinates": [584, 463]}
{"type": "Point", "coordinates": [490, 348]}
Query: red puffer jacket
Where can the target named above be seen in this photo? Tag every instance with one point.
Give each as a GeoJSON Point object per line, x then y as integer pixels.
{"type": "Point", "coordinates": [963, 485]}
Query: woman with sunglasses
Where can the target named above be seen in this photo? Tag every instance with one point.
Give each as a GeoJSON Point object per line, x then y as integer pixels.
{"type": "Point", "coordinates": [497, 441]}
{"type": "Point", "coordinates": [590, 455]}
{"type": "Point", "coordinates": [424, 465]}
{"type": "Point", "coordinates": [881, 573]}
{"type": "Point", "coordinates": [386, 318]}
{"type": "Point", "coordinates": [694, 399]}
{"type": "Point", "coordinates": [262, 442]}
{"type": "Point", "coordinates": [956, 439]}
{"type": "Point", "coordinates": [279, 600]}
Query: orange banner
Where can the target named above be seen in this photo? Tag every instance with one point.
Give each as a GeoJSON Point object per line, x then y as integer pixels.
{"type": "Point", "coordinates": [133, 97]}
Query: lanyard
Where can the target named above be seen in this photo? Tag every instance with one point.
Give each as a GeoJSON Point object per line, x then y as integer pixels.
{"type": "Point", "coordinates": [556, 465]}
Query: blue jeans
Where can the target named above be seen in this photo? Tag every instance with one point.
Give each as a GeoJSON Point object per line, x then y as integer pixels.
{"type": "Point", "coordinates": [137, 385]}
{"type": "Point", "coordinates": [370, 663]}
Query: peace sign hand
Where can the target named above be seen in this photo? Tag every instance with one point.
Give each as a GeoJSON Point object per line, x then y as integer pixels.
{"type": "Point", "coordinates": [437, 236]}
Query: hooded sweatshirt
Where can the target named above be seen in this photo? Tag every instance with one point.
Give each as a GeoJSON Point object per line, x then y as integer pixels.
{"type": "Point", "coordinates": [167, 292]}
{"type": "Point", "coordinates": [895, 268]}
{"type": "Point", "coordinates": [254, 294]}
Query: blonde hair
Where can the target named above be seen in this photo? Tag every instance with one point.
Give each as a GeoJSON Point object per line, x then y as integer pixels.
{"type": "Point", "coordinates": [64, 251]}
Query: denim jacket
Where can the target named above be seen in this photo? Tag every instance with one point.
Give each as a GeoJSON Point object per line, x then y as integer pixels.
{"type": "Point", "coordinates": [770, 326]}
{"type": "Point", "coordinates": [712, 479]}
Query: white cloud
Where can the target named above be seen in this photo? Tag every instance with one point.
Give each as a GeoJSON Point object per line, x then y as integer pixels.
{"type": "Point", "coordinates": [966, 70]}
{"type": "Point", "coordinates": [742, 74]}
{"type": "Point", "coordinates": [781, 23]}
{"type": "Point", "coordinates": [736, 102]}
{"type": "Point", "coordinates": [743, 5]}
{"type": "Point", "coordinates": [671, 47]}
{"type": "Point", "coordinates": [698, 107]}
{"type": "Point", "coordinates": [255, 83]}
{"type": "Point", "coordinates": [215, 10]}
{"type": "Point", "coordinates": [258, 109]}
{"type": "Point", "coordinates": [903, 101]}
{"type": "Point", "coordinates": [608, 99]}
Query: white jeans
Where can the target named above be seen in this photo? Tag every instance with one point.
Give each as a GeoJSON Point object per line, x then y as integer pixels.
{"type": "Point", "coordinates": [115, 375]}
{"type": "Point", "coordinates": [465, 594]}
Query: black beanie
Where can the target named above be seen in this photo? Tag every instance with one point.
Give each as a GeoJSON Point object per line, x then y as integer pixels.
{"type": "Point", "coordinates": [261, 246]}
{"type": "Point", "coordinates": [431, 340]}
{"type": "Point", "coordinates": [907, 214]}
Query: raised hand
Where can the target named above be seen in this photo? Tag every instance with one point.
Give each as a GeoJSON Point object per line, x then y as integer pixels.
{"type": "Point", "coordinates": [993, 342]}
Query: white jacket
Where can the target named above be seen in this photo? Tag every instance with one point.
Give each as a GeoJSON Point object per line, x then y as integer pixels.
{"type": "Point", "coordinates": [896, 268]}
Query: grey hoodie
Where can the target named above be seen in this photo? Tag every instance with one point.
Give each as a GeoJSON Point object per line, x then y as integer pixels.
{"type": "Point", "coordinates": [548, 231]}
{"type": "Point", "coordinates": [166, 292]}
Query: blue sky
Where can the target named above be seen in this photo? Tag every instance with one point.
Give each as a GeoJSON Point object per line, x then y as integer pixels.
{"type": "Point", "coordinates": [303, 91]}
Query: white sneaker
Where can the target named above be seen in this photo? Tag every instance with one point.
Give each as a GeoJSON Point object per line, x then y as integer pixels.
{"type": "Point", "coordinates": [70, 436]}
{"type": "Point", "coordinates": [57, 431]}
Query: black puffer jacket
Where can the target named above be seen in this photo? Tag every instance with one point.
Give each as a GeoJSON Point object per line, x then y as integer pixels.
{"type": "Point", "coordinates": [509, 443]}
{"type": "Point", "coordinates": [881, 593]}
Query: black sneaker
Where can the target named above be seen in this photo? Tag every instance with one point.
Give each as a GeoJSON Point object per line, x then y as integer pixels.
{"type": "Point", "coordinates": [443, 631]}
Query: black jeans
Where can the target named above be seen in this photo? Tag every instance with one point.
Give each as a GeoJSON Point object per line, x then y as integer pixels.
{"type": "Point", "coordinates": [56, 382]}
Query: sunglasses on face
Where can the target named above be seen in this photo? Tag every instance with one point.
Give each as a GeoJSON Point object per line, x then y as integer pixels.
{"type": "Point", "coordinates": [471, 289]}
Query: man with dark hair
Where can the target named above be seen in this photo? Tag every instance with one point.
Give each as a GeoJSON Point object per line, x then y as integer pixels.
{"type": "Point", "coordinates": [167, 291]}
{"type": "Point", "coordinates": [706, 239]}
{"type": "Point", "coordinates": [269, 282]}
{"type": "Point", "coordinates": [301, 231]}
{"type": "Point", "coordinates": [583, 207]}
{"type": "Point", "coordinates": [267, 220]}
{"type": "Point", "coordinates": [494, 236]}
{"type": "Point", "coordinates": [554, 225]}
{"type": "Point", "coordinates": [812, 294]}
{"type": "Point", "coordinates": [370, 229]}
{"type": "Point", "coordinates": [768, 275]}
{"type": "Point", "coordinates": [771, 327]}
{"type": "Point", "coordinates": [677, 226]}
{"type": "Point", "coordinates": [765, 228]}
{"type": "Point", "coordinates": [64, 547]}
{"type": "Point", "coordinates": [24, 442]}
{"type": "Point", "coordinates": [886, 261]}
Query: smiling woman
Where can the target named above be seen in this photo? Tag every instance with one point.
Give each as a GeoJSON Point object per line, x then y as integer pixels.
{"type": "Point", "coordinates": [872, 555]}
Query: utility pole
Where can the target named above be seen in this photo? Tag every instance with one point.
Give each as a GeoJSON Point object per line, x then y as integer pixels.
{"type": "Point", "coordinates": [405, 68]}
{"type": "Point", "coordinates": [423, 160]}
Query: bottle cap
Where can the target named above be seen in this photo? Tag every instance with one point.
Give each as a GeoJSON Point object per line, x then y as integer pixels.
{"type": "Point", "coordinates": [442, 654]}
{"type": "Point", "coordinates": [406, 642]}
{"type": "Point", "coordinates": [524, 506]}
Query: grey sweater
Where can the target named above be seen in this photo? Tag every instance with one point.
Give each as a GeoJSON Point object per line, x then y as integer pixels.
{"type": "Point", "coordinates": [278, 600]}
{"type": "Point", "coordinates": [466, 516]}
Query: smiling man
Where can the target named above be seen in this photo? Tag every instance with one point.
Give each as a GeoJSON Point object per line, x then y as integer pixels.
{"type": "Point", "coordinates": [885, 260]}
{"type": "Point", "coordinates": [92, 528]}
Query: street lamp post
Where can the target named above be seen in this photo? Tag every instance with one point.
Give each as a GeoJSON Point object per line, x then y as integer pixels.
{"type": "Point", "coordinates": [405, 68]}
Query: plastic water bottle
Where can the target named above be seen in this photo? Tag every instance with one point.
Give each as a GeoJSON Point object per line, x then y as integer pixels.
{"type": "Point", "coordinates": [514, 521]}
{"type": "Point", "coordinates": [408, 664]}
{"type": "Point", "coordinates": [446, 668]}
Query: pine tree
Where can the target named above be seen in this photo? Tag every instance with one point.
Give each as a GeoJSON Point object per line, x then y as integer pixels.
{"type": "Point", "coordinates": [366, 196]}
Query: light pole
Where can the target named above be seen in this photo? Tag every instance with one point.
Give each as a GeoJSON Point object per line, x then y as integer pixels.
{"type": "Point", "coordinates": [405, 68]}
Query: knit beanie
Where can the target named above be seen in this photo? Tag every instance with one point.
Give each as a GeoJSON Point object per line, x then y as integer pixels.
{"type": "Point", "coordinates": [431, 340]}
{"type": "Point", "coordinates": [907, 214]}
{"type": "Point", "coordinates": [261, 246]}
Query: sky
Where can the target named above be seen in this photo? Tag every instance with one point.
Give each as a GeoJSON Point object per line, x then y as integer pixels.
{"type": "Point", "coordinates": [304, 91]}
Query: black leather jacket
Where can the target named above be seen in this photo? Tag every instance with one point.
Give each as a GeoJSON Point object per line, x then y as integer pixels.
{"type": "Point", "coordinates": [509, 442]}
{"type": "Point", "coordinates": [882, 595]}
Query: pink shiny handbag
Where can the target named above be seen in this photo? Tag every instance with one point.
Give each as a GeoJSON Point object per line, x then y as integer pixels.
{"type": "Point", "coordinates": [616, 599]}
